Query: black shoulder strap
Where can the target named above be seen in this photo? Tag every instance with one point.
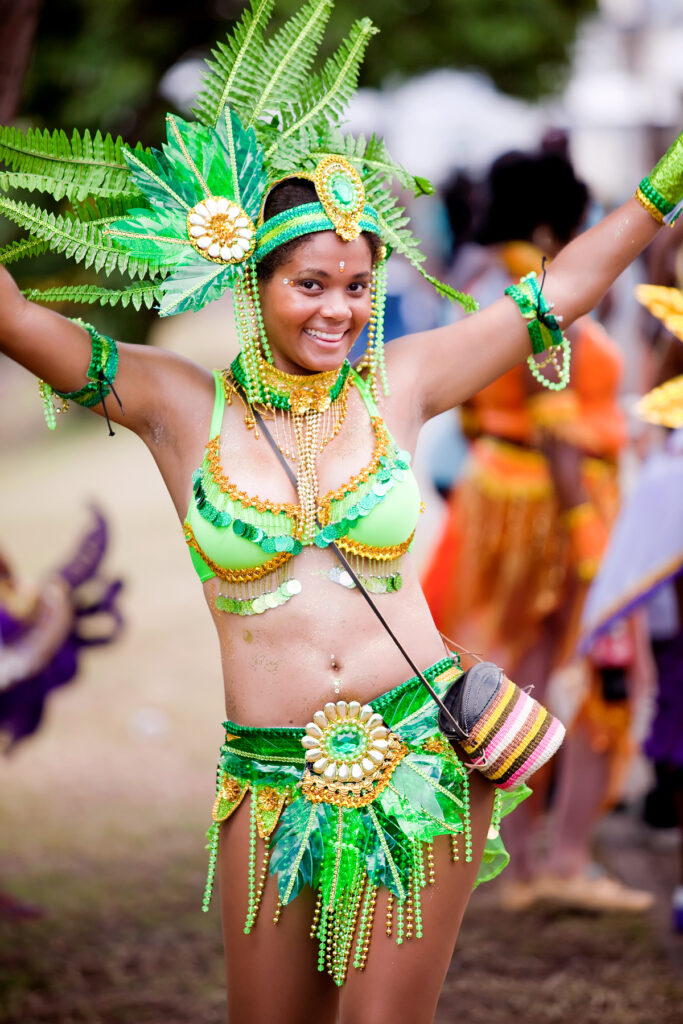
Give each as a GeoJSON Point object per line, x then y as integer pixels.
{"type": "Point", "coordinates": [345, 562]}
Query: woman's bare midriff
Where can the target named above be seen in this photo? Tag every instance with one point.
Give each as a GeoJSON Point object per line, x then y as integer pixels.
{"type": "Point", "coordinates": [282, 666]}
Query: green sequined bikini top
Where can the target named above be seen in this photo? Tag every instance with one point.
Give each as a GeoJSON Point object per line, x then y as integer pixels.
{"type": "Point", "coordinates": [249, 543]}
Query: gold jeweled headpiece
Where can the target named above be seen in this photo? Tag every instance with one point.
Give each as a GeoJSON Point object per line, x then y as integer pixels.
{"type": "Point", "coordinates": [181, 224]}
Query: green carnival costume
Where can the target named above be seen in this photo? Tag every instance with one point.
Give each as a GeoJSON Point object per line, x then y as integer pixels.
{"type": "Point", "coordinates": [350, 803]}
{"type": "Point", "coordinates": [354, 800]}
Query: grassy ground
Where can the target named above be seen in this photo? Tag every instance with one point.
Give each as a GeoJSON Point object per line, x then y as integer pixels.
{"type": "Point", "coordinates": [123, 943]}
{"type": "Point", "coordinates": [103, 811]}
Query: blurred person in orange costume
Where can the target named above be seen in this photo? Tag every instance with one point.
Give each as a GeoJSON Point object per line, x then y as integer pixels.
{"type": "Point", "coordinates": [525, 530]}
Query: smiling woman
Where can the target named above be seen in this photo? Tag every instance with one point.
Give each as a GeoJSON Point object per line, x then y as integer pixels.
{"type": "Point", "coordinates": [316, 310]}
{"type": "Point", "coordinates": [356, 808]}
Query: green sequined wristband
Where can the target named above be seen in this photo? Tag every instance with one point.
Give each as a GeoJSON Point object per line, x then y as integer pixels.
{"type": "Point", "coordinates": [544, 331]}
{"type": "Point", "coordinates": [104, 361]}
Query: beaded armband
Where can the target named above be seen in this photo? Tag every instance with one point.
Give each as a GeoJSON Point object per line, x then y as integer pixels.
{"type": "Point", "coordinates": [657, 205]}
{"type": "Point", "coordinates": [544, 331]}
{"type": "Point", "coordinates": [661, 192]}
{"type": "Point", "coordinates": [104, 362]}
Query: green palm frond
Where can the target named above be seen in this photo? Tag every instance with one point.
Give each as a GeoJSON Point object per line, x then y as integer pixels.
{"type": "Point", "coordinates": [138, 295]}
{"type": "Point", "coordinates": [104, 210]}
{"type": "Point", "coordinates": [325, 95]}
{"type": "Point", "coordinates": [13, 180]}
{"type": "Point", "coordinates": [394, 227]}
{"type": "Point", "coordinates": [80, 165]}
{"type": "Point", "coordinates": [396, 233]}
{"type": "Point", "coordinates": [370, 155]}
{"type": "Point", "coordinates": [79, 241]}
{"type": "Point", "coordinates": [288, 58]}
{"type": "Point", "coordinates": [235, 66]}
{"type": "Point", "coordinates": [22, 249]}
{"type": "Point", "coordinates": [377, 158]}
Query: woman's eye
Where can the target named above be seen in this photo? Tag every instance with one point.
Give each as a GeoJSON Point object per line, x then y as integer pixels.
{"type": "Point", "coordinates": [309, 285]}
{"type": "Point", "coordinates": [357, 287]}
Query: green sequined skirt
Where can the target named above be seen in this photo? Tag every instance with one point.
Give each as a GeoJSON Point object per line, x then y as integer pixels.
{"type": "Point", "coordinates": [350, 803]}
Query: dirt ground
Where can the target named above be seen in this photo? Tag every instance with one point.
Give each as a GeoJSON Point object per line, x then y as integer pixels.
{"type": "Point", "coordinates": [103, 811]}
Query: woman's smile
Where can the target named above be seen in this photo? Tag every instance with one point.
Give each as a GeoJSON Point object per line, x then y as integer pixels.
{"type": "Point", "coordinates": [316, 303]}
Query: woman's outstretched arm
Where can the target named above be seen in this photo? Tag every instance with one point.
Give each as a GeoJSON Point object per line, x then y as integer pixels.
{"type": "Point", "coordinates": [153, 385]}
{"type": "Point", "coordinates": [458, 360]}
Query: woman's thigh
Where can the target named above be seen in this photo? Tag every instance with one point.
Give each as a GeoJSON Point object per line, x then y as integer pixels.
{"type": "Point", "coordinates": [402, 983]}
{"type": "Point", "coordinates": [272, 972]}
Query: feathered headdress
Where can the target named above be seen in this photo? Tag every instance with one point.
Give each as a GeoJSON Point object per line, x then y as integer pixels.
{"type": "Point", "coordinates": [183, 223]}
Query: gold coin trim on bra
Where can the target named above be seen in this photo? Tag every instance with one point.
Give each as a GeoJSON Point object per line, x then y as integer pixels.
{"type": "Point", "coordinates": [370, 551]}
{"type": "Point", "coordinates": [249, 575]}
{"type": "Point", "coordinates": [213, 461]}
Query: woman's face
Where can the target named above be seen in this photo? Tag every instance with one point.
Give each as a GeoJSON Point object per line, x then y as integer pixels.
{"type": "Point", "coordinates": [316, 304]}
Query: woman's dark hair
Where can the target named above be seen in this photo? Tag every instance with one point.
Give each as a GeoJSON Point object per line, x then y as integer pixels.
{"type": "Point", "coordinates": [525, 190]}
{"type": "Point", "coordinates": [286, 196]}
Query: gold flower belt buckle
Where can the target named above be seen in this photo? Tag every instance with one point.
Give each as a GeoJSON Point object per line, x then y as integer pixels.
{"type": "Point", "coordinates": [350, 755]}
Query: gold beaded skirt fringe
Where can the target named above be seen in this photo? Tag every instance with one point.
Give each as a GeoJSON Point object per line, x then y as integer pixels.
{"type": "Point", "coordinates": [348, 804]}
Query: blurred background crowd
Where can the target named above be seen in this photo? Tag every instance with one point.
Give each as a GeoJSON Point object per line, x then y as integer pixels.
{"type": "Point", "coordinates": [552, 540]}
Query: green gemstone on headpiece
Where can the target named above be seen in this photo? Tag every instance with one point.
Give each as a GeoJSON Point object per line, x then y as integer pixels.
{"type": "Point", "coordinates": [342, 190]}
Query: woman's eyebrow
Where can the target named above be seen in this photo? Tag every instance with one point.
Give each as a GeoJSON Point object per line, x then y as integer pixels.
{"type": "Point", "coordinates": [323, 273]}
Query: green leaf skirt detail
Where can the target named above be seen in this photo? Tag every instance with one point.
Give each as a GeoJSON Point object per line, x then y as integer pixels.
{"type": "Point", "coordinates": [346, 839]}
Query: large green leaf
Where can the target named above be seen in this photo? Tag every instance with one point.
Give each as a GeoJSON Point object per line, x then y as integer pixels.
{"type": "Point", "coordinates": [288, 58]}
{"type": "Point", "coordinates": [298, 846]}
{"type": "Point", "coordinates": [84, 243]}
{"type": "Point", "coordinates": [236, 67]}
{"type": "Point", "coordinates": [384, 855]}
{"type": "Point", "coordinates": [194, 159]}
{"type": "Point", "coordinates": [138, 295]}
{"type": "Point", "coordinates": [154, 177]}
{"type": "Point", "coordinates": [23, 248]}
{"type": "Point", "coordinates": [77, 166]}
{"type": "Point", "coordinates": [325, 96]}
{"type": "Point", "coordinates": [194, 282]}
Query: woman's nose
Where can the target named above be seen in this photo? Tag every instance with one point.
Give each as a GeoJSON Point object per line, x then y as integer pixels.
{"type": "Point", "coordinates": [335, 304]}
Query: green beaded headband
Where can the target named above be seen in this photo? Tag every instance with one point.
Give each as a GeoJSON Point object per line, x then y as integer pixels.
{"type": "Point", "coordinates": [304, 220]}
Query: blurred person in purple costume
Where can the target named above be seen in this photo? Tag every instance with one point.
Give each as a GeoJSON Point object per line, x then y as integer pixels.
{"type": "Point", "coordinates": [42, 632]}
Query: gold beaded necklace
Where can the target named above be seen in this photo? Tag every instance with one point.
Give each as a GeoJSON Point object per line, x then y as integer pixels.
{"type": "Point", "coordinates": [304, 429]}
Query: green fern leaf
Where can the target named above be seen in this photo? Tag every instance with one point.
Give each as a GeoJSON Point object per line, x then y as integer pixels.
{"type": "Point", "coordinates": [423, 187]}
{"type": "Point", "coordinates": [138, 295]}
{"type": "Point", "coordinates": [325, 96]}
{"type": "Point", "coordinates": [395, 233]}
{"type": "Point", "coordinates": [288, 58]}
{"type": "Point", "coordinates": [84, 163]}
{"type": "Point", "coordinates": [469, 304]}
{"type": "Point", "coordinates": [101, 210]}
{"type": "Point", "coordinates": [377, 158]}
{"type": "Point", "coordinates": [236, 63]}
{"type": "Point", "coordinates": [21, 249]}
{"type": "Point", "coordinates": [81, 242]}
{"type": "Point", "coordinates": [11, 180]}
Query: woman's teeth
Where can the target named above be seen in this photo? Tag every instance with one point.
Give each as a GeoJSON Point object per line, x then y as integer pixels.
{"type": "Point", "coordinates": [325, 335]}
